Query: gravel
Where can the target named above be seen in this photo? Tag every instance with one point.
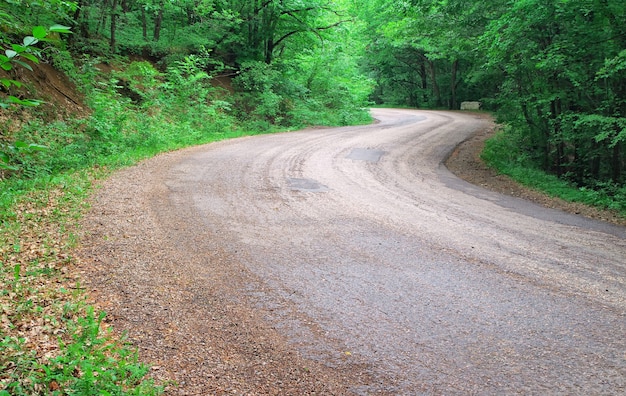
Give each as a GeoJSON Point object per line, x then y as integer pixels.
{"type": "Point", "coordinates": [199, 303]}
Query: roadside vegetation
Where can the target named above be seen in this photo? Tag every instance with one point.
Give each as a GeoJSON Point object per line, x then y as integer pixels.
{"type": "Point", "coordinates": [502, 153]}
{"type": "Point", "coordinates": [148, 76]}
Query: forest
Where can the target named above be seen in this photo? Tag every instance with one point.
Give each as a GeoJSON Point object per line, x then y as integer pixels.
{"type": "Point", "coordinates": [157, 75]}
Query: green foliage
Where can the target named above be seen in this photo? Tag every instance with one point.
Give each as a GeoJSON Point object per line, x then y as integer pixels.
{"type": "Point", "coordinates": [167, 100]}
{"type": "Point", "coordinates": [505, 153]}
{"type": "Point", "coordinates": [91, 363]}
{"type": "Point", "coordinates": [563, 84]}
{"type": "Point", "coordinates": [554, 71]}
{"type": "Point", "coordinates": [301, 92]}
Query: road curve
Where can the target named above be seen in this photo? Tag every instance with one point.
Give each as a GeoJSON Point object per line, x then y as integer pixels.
{"type": "Point", "coordinates": [366, 254]}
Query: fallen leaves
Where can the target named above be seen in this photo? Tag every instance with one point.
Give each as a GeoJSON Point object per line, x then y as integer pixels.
{"type": "Point", "coordinates": [34, 279]}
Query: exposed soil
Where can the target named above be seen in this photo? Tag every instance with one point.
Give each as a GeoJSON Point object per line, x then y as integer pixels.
{"type": "Point", "coordinates": [465, 162]}
{"type": "Point", "coordinates": [59, 95]}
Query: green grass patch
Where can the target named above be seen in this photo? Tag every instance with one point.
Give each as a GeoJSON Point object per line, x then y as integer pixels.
{"type": "Point", "coordinates": [504, 152]}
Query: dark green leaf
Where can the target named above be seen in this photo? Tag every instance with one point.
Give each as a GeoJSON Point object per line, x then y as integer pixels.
{"type": "Point", "coordinates": [30, 57]}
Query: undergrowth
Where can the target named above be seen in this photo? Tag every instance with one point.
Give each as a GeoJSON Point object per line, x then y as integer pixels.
{"type": "Point", "coordinates": [52, 342]}
{"type": "Point", "coordinates": [503, 153]}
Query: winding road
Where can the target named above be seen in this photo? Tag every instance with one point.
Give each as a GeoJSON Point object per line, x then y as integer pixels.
{"type": "Point", "coordinates": [361, 251]}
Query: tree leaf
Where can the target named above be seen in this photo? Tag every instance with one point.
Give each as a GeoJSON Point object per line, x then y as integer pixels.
{"type": "Point", "coordinates": [6, 166]}
{"type": "Point", "coordinates": [18, 48]}
{"type": "Point", "coordinates": [60, 29]}
{"type": "Point", "coordinates": [37, 147]}
{"type": "Point", "coordinates": [30, 57]}
{"type": "Point", "coordinates": [39, 32]}
{"type": "Point", "coordinates": [30, 40]}
{"type": "Point", "coordinates": [7, 82]}
{"type": "Point", "coordinates": [24, 65]}
{"type": "Point", "coordinates": [24, 102]}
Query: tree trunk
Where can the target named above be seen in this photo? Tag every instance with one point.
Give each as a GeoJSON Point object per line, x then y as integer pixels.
{"type": "Point", "coordinates": [424, 76]}
{"type": "Point", "coordinates": [436, 90]}
{"type": "Point", "coordinates": [81, 20]}
{"type": "Point", "coordinates": [103, 15]}
{"type": "Point", "coordinates": [158, 22]}
{"type": "Point", "coordinates": [616, 163]}
{"type": "Point", "coordinates": [113, 24]}
{"type": "Point", "coordinates": [455, 67]}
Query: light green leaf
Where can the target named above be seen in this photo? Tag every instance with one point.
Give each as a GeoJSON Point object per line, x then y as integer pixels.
{"type": "Point", "coordinates": [13, 168]}
{"type": "Point", "coordinates": [24, 102]}
{"type": "Point", "coordinates": [7, 82]}
{"type": "Point", "coordinates": [24, 65]}
{"type": "Point", "coordinates": [37, 147]}
{"type": "Point", "coordinates": [60, 29]}
{"type": "Point", "coordinates": [10, 53]}
{"type": "Point", "coordinates": [30, 40]}
{"type": "Point", "coordinates": [18, 48]}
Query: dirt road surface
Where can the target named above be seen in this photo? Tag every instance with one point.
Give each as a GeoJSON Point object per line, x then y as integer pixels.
{"type": "Point", "coordinates": [351, 261]}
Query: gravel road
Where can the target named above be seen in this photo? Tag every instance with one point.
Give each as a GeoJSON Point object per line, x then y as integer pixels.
{"type": "Point", "coordinates": [351, 261]}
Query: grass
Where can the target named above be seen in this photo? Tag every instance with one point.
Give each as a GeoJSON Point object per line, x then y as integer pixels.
{"type": "Point", "coordinates": [503, 154]}
{"type": "Point", "coordinates": [51, 340]}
